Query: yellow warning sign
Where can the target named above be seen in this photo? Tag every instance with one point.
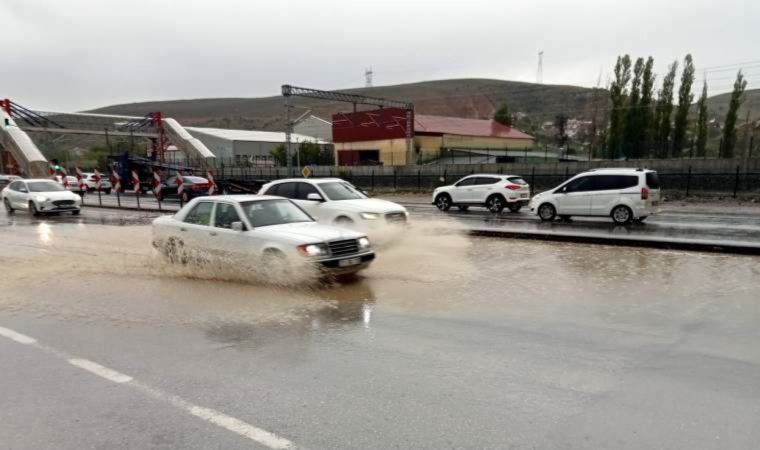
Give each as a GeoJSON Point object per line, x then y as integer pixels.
{"type": "Point", "coordinates": [306, 171]}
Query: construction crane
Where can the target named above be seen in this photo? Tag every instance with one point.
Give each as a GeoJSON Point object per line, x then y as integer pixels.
{"type": "Point", "coordinates": [355, 99]}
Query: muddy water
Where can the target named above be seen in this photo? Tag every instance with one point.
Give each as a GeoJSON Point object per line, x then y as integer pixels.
{"type": "Point", "coordinates": [94, 272]}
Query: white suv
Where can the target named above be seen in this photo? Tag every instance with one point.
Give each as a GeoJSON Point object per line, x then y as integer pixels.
{"type": "Point", "coordinates": [335, 201]}
{"type": "Point", "coordinates": [622, 194]}
{"type": "Point", "coordinates": [494, 192]}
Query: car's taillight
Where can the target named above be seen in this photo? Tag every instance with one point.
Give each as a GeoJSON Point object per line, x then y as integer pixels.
{"type": "Point", "coordinates": [513, 187]}
{"type": "Point", "coordinates": [644, 193]}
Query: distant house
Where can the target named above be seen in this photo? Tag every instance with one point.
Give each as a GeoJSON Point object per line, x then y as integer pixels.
{"type": "Point", "coordinates": [379, 137]}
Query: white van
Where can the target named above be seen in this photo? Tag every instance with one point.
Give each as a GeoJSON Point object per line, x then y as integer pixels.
{"type": "Point", "coordinates": [624, 195]}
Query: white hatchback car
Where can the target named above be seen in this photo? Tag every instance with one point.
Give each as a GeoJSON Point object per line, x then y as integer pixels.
{"type": "Point", "coordinates": [271, 229]}
{"type": "Point", "coordinates": [335, 201]}
{"type": "Point", "coordinates": [624, 195]}
{"type": "Point", "coordinates": [92, 184]}
{"type": "Point", "coordinates": [40, 196]}
{"type": "Point", "coordinates": [494, 192]}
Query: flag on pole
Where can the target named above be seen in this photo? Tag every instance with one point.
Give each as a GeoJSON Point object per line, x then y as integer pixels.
{"type": "Point", "coordinates": [80, 180]}
{"type": "Point", "coordinates": [64, 177]}
{"type": "Point", "coordinates": [180, 184]}
{"type": "Point", "coordinates": [116, 181]}
{"type": "Point", "coordinates": [97, 179]}
{"type": "Point", "coordinates": [211, 184]}
{"type": "Point", "coordinates": [135, 182]}
{"type": "Point", "coordinates": [156, 182]}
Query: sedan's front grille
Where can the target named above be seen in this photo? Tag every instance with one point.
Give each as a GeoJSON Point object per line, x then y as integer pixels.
{"type": "Point", "coordinates": [395, 217]}
{"type": "Point", "coordinates": [63, 202]}
{"type": "Point", "coordinates": [346, 247]}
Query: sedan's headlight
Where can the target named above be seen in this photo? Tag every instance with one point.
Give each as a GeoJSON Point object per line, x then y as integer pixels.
{"type": "Point", "coordinates": [364, 243]}
{"type": "Point", "coordinates": [41, 198]}
{"type": "Point", "coordinates": [313, 249]}
{"type": "Point", "coordinates": [369, 216]}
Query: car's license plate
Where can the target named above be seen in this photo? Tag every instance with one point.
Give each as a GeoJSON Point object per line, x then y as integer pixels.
{"type": "Point", "coordinates": [349, 262]}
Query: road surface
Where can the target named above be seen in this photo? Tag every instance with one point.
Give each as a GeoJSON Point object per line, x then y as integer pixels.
{"type": "Point", "coordinates": [448, 341]}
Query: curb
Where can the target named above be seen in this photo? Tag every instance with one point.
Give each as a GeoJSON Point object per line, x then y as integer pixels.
{"type": "Point", "coordinates": [672, 244]}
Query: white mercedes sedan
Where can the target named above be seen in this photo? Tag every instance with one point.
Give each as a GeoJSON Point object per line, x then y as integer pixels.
{"type": "Point", "coordinates": [258, 228]}
{"type": "Point", "coordinates": [40, 196]}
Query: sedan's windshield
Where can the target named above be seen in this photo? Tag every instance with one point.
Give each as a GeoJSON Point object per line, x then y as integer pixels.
{"type": "Point", "coordinates": [273, 212]}
{"type": "Point", "coordinates": [340, 191]}
{"type": "Point", "coordinates": [44, 186]}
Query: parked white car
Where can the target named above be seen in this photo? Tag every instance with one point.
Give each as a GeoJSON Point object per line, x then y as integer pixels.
{"type": "Point", "coordinates": [268, 228]}
{"type": "Point", "coordinates": [92, 185]}
{"type": "Point", "coordinates": [335, 201]}
{"type": "Point", "coordinates": [624, 195]}
{"type": "Point", "coordinates": [494, 192]}
{"type": "Point", "coordinates": [40, 196]}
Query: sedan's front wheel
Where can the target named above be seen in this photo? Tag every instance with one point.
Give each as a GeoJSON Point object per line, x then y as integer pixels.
{"type": "Point", "coordinates": [547, 212]}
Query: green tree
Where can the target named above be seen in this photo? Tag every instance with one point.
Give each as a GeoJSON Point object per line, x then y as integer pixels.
{"type": "Point", "coordinates": [278, 154]}
{"type": "Point", "coordinates": [560, 123]}
{"type": "Point", "coordinates": [662, 124]}
{"type": "Point", "coordinates": [503, 115]}
{"type": "Point", "coordinates": [729, 127]}
{"type": "Point", "coordinates": [633, 112]}
{"type": "Point", "coordinates": [685, 98]}
{"type": "Point", "coordinates": [702, 122]}
{"type": "Point", "coordinates": [643, 136]}
{"type": "Point", "coordinates": [618, 93]}
{"type": "Point", "coordinates": [309, 152]}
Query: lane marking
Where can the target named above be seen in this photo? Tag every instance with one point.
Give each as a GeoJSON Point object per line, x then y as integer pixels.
{"type": "Point", "coordinates": [101, 371]}
{"type": "Point", "coordinates": [212, 416]}
{"type": "Point", "coordinates": [18, 337]}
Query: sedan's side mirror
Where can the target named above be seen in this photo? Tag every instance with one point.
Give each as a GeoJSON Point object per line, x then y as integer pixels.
{"type": "Point", "coordinates": [314, 197]}
{"type": "Point", "coordinates": [237, 226]}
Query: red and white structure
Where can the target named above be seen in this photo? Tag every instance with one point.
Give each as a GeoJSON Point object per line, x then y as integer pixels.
{"type": "Point", "coordinates": [211, 183]}
{"type": "Point", "coordinates": [80, 180]}
{"type": "Point", "coordinates": [156, 183]}
{"type": "Point", "coordinates": [97, 179]}
{"type": "Point", "coordinates": [116, 180]}
{"type": "Point", "coordinates": [135, 182]}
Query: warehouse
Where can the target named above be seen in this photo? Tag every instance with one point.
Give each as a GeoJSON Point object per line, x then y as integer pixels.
{"type": "Point", "coordinates": [240, 147]}
{"type": "Point", "coordinates": [379, 137]}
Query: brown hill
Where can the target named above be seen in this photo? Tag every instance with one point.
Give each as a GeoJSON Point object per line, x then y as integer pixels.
{"type": "Point", "coordinates": [473, 98]}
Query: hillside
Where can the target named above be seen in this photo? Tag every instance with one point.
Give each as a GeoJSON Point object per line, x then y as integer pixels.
{"type": "Point", "coordinates": [475, 98]}
{"type": "Point", "coordinates": [718, 105]}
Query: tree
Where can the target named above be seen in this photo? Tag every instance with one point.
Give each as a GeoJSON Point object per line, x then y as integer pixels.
{"type": "Point", "coordinates": [642, 142]}
{"type": "Point", "coordinates": [503, 116]}
{"type": "Point", "coordinates": [662, 124]}
{"type": "Point", "coordinates": [560, 123]}
{"type": "Point", "coordinates": [685, 97]}
{"type": "Point", "coordinates": [309, 152]}
{"type": "Point", "coordinates": [702, 122]}
{"type": "Point", "coordinates": [278, 154]}
{"type": "Point", "coordinates": [633, 113]}
{"type": "Point", "coordinates": [618, 93]}
{"type": "Point", "coordinates": [729, 127]}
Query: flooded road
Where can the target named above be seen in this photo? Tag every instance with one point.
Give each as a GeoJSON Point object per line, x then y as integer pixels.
{"type": "Point", "coordinates": [447, 341]}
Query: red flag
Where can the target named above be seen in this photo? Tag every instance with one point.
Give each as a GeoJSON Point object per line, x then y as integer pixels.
{"type": "Point", "coordinates": [156, 182]}
{"type": "Point", "coordinates": [116, 181]}
{"type": "Point", "coordinates": [97, 179]}
{"type": "Point", "coordinates": [180, 184]}
{"type": "Point", "coordinates": [135, 182]}
{"type": "Point", "coordinates": [80, 179]}
{"type": "Point", "coordinates": [211, 184]}
{"type": "Point", "coordinates": [64, 178]}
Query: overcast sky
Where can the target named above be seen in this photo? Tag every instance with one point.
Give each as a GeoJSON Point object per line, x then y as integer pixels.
{"type": "Point", "coordinates": [76, 54]}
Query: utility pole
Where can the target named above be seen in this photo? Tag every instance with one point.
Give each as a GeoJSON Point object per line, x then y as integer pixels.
{"type": "Point", "coordinates": [288, 163]}
{"type": "Point", "coordinates": [540, 71]}
{"type": "Point", "coordinates": [368, 77]}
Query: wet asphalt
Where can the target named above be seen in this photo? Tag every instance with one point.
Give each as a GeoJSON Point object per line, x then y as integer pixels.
{"type": "Point", "coordinates": [447, 341]}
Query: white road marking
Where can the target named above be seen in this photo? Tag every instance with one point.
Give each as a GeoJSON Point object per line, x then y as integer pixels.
{"type": "Point", "coordinates": [217, 418]}
{"type": "Point", "coordinates": [101, 371]}
{"type": "Point", "coordinates": [18, 337]}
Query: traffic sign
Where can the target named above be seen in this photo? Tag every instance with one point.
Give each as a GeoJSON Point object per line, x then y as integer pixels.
{"type": "Point", "coordinates": [306, 171]}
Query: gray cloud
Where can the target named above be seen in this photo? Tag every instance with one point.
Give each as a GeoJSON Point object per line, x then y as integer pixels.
{"type": "Point", "coordinates": [86, 53]}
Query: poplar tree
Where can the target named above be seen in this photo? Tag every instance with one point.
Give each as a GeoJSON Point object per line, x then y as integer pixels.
{"type": "Point", "coordinates": [702, 122]}
{"type": "Point", "coordinates": [662, 124]}
{"type": "Point", "coordinates": [633, 112]}
{"type": "Point", "coordinates": [618, 93]}
{"type": "Point", "coordinates": [685, 98]}
{"type": "Point", "coordinates": [729, 127]}
{"type": "Point", "coordinates": [643, 138]}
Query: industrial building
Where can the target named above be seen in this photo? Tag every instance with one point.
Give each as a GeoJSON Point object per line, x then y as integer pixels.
{"type": "Point", "coordinates": [379, 137]}
{"type": "Point", "coordinates": [241, 147]}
